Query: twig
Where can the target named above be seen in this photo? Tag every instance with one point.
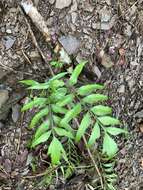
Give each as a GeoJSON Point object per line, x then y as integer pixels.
{"type": "Point", "coordinates": [36, 17]}
{"type": "Point", "coordinates": [41, 174]}
{"type": "Point", "coordinates": [36, 44]}
{"type": "Point", "coordinates": [91, 157]}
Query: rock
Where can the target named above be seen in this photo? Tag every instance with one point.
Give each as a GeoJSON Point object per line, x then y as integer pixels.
{"type": "Point", "coordinates": [74, 17]}
{"type": "Point", "coordinates": [97, 71]}
{"type": "Point", "coordinates": [8, 31]}
{"type": "Point", "coordinates": [139, 114]}
{"type": "Point", "coordinates": [3, 97]}
{"type": "Point", "coordinates": [51, 1]}
{"type": "Point", "coordinates": [105, 15]}
{"type": "Point", "coordinates": [105, 59]}
{"type": "Point", "coordinates": [8, 42]}
{"type": "Point", "coordinates": [64, 57]}
{"type": "Point", "coordinates": [121, 89]}
{"type": "Point", "coordinates": [16, 112]}
{"type": "Point", "coordinates": [36, 2]}
{"type": "Point", "coordinates": [61, 4]}
{"type": "Point", "coordinates": [70, 44]}
{"type": "Point", "coordinates": [2, 73]}
{"type": "Point", "coordinates": [74, 6]}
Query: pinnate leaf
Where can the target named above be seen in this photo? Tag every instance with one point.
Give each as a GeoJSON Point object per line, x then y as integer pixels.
{"type": "Point", "coordinates": [87, 89]}
{"type": "Point", "coordinates": [29, 82]}
{"type": "Point", "coordinates": [109, 146]}
{"type": "Point", "coordinates": [41, 139]}
{"type": "Point", "coordinates": [67, 100]}
{"type": "Point", "coordinates": [94, 135]}
{"type": "Point", "coordinates": [38, 116]}
{"type": "Point", "coordinates": [34, 103]}
{"type": "Point", "coordinates": [115, 131]}
{"type": "Point", "coordinates": [83, 126]}
{"type": "Point", "coordinates": [107, 120]}
{"type": "Point", "coordinates": [58, 109]}
{"type": "Point", "coordinates": [101, 110]}
{"type": "Point", "coordinates": [56, 150]}
{"type": "Point", "coordinates": [40, 86]}
{"type": "Point", "coordinates": [76, 72]}
{"type": "Point", "coordinates": [42, 128]}
{"type": "Point", "coordinates": [71, 114]}
{"type": "Point", "coordinates": [63, 132]}
{"type": "Point", "coordinates": [94, 98]}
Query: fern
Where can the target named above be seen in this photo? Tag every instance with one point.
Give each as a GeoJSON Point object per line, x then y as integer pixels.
{"type": "Point", "coordinates": [60, 103]}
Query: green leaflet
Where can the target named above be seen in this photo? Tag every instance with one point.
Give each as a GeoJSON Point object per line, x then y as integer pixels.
{"type": "Point", "coordinates": [56, 150]}
{"type": "Point", "coordinates": [40, 86]}
{"type": "Point", "coordinates": [41, 139]}
{"type": "Point", "coordinates": [34, 103]}
{"type": "Point", "coordinates": [66, 100]}
{"type": "Point", "coordinates": [71, 114]}
{"type": "Point", "coordinates": [76, 72]}
{"type": "Point", "coordinates": [58, 76]}
{"type": "Point", "coordinates": [115, 131]}
{"type": "Point", "coordinates": [57, 64]}
{"type": "Point", "coordinates": [101, 110]}
{"type": "Point", "coordinates": [58, 95]}
{"type": "Point", "coordinates": [29, 82]}
{"type": "Point", "coordinates": [83, 126]}
{"type": "Point", "coordinates": [58, 109]}
{"type": "Point", "coordinates": [42, 128]}
{"type": "Point", "coordinates": [87, 89]}
{"type": "Point", "coordinates": [38, 116]}
{"type": "Point", "coordinates": [109, 146]}
{"type": "Point", "coordinates": [94, 98]}
{"type": "Point", "coordinates": [57, 121]}
{"type": "Point", "coordinates": [94, 135]}
{"type": "Point", "coordinates": [56, 84]}
{"type": "Point", "coordinates": [107, 120]}
{"type": "Point", "coordinates": [63, 132]}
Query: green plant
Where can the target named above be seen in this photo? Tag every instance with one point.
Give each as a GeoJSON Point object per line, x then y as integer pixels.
{"type": "Point", "coordinates": [67, 112]}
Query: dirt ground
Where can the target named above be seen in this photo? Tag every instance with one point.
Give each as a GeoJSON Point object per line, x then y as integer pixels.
{"type": "Point", "coordinates": [113, 26]}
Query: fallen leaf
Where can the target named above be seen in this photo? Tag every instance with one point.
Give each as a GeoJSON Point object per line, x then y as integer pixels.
{"type": "Point", "coordinates": [105, 59]}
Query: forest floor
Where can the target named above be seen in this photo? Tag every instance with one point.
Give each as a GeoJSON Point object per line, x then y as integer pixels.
{"type": "Point", "coordinates": [116, 26]}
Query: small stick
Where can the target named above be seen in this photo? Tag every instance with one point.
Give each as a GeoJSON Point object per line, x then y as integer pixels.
{"type": "Point", "coordinates": [36, 17]}
{"type": "Point", "coordinates": [91, 157]}
{"type": "Point", "coordinates": [37, 46]}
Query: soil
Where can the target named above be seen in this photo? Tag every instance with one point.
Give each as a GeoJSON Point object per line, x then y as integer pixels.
{"type": "Point", "coordinates": [115, 27]}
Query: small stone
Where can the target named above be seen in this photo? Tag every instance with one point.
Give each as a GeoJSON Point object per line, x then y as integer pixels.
{"type": "Point", "coordinates": [8, 31]}
{"type": "Point", "coordinates": [105, 15]}
{"type": "Point", "coordinates": [61, 4]}
{"type": "Point", "coordinates": [74, 6]}
{"type": "Point", "coordinates": [97, 71]}
{"type": "Point", "coordinates": [8, 42]}
{"type": "Point", "coordinates": [70, 44]}
{"type": "Point", "coordinates": [74, 17]}
{"type": "Point", "coordinates": [121, 89]}
{"type": "Point", "coordinates": [89, 8]}
{"type": "Point", "coordinates": [51, 1]}
{"type": "Point", "coordinates": [3, 97]}
{"type": "Point", "coordinates": [16, 112]}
